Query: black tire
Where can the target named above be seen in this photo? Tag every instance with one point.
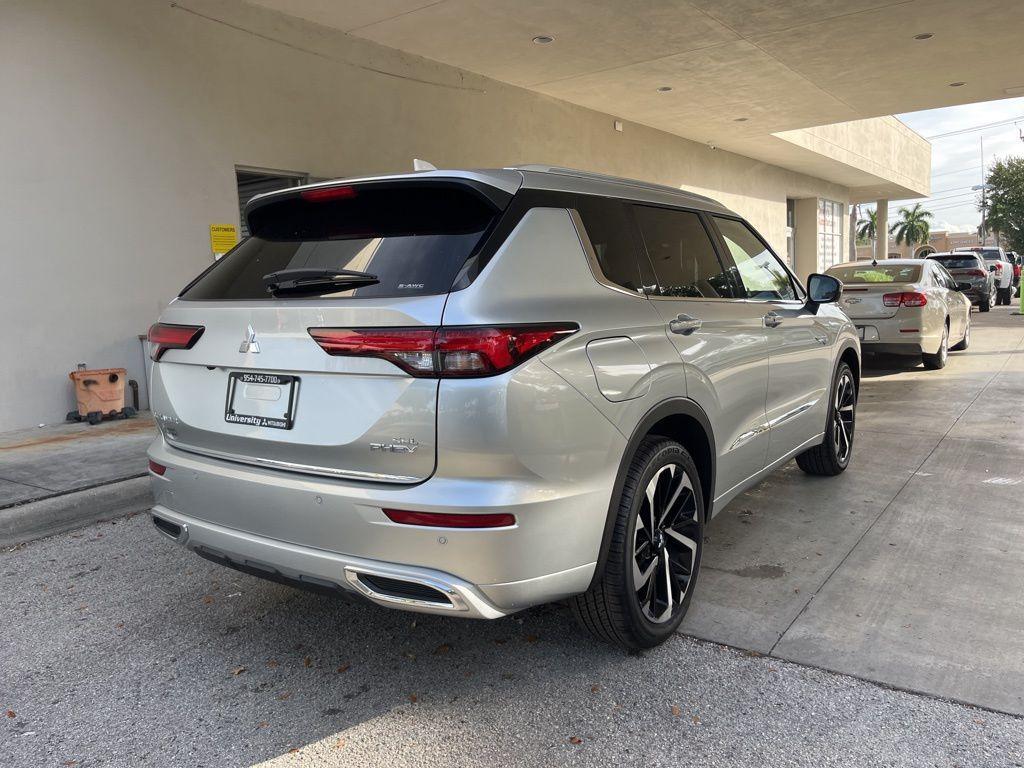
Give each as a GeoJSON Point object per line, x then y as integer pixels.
{"type": "Point", "coordinates": [985, 305]}
{"type": "Point", "coordinates": [833, 455]}
{"type": "Point", "coordinates": [965, 342]}
{"type": "Point", "coordinates": [95, 417]}
{"type": "Point", "coordinates": [613, 609]}
{"type": "Point", "coordinates": [1004, 297]}
{"type": "Point", "coordinates": [937, 361]}
{"type": "Point", "coordinates": [73, 416]}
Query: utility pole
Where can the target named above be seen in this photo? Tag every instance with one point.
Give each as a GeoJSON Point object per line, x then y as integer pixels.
{"type": "Point", "coordinates": [984, 194]}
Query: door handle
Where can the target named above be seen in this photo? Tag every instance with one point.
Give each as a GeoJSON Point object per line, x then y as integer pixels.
{"type": "Point", "coordinates": [684, 325]}
{"type": "Point", "coordinates": [772, 320]}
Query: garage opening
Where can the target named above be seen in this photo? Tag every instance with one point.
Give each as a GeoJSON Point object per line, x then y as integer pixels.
{"type": "Point", "coordinates": [256, 181]}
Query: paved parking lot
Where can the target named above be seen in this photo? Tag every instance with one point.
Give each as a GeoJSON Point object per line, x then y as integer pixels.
{"type": "Point", "coordinates": [906, 571]}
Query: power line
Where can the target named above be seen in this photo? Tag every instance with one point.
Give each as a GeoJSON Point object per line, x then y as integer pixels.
{"type": "Point", "coordinates": [974, 128]}
{"type": "Point", "coordinates": [960, 170]}
{"type": "Point", "coordinates": [940, 197]}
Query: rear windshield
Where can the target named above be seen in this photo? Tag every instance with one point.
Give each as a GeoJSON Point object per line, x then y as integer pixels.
{"type": "Point", "coordinates": [880, 274]}
{"type": "Point", "coordinates": [988, 253]}
{"type": "Point", "coordinates": [957, 262]}
{"type": "Point", "coordinates": [412, 239]}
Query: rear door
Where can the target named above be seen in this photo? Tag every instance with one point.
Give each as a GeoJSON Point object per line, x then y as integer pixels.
{"type": "Point", "coordinates": [256, 386]}
{"type": "Point", "coordinates": [799, 344]}
{"type": "Point", "coordinates": [720, 339]}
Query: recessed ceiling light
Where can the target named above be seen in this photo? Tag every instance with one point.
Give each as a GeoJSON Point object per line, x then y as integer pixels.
{"type": "Point", "coordinates": [664, 88]}
{"type": "Point", "coordinates": [543, 39]}
{"type": "Point", "coordinates": [924, 36]}
{"type": "Point", "coordinates": [956, 85]}
{"type": "Point", "coordinates": [740, 119]}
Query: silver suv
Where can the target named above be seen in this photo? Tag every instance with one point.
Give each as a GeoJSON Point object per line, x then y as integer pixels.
{"type": "Point", "coordinates": [470, 392]}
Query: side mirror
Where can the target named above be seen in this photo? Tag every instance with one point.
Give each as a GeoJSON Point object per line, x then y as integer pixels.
{"type": "Point", "coordinates": [823, 289]}
{"type": "Point", "coordinates": [991, 267]}
{"type": "Point", "coordinates": [963, 286]}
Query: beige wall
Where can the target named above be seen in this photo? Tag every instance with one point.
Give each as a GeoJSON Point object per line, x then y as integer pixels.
{"type": "Point", "coordinates": [124, 119]}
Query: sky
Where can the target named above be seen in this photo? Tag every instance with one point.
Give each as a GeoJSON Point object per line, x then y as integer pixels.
{"type": "Point", "coordinates": [956, 160]}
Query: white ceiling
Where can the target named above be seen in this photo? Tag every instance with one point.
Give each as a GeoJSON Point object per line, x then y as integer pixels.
{"type": "Point", "coordinates": [781, 64]}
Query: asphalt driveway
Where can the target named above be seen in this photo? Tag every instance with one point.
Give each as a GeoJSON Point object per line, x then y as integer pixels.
{"type": "Point", "coordinates": [904, 575]}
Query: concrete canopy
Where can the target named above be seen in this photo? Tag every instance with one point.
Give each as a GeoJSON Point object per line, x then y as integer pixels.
{"type": "Point", "coordinates": [740, 71]}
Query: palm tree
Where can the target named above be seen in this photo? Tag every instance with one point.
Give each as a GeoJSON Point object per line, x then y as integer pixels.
{"type": "Point", "coordinates": [912, 227]}
{"type": "Point", "coordinates": [867, 229]}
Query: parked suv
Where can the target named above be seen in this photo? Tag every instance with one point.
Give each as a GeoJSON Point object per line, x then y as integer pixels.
{"type": "Point", "coordinates": [470, 392]}
{"type": "Point", "coordinates": [972, 269]}
{"type": "Point", "coordinates": [1000, 266]}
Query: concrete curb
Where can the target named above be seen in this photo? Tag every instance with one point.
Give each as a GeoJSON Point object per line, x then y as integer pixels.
{"type": "Point", "coordinates": [68, 511]}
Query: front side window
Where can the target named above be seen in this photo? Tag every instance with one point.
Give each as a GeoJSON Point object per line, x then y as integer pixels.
{"type": "Point", "coordinates": [759, 271]}
{"type": "Point", "coordinates": [682, 254]}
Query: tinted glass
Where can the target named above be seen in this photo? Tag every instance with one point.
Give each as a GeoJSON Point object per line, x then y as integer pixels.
{"type": "Point", "coordinates": [760, 273]}
{"type": "Point", "coordinates": [610, 232]}
{"type": "Point", "coordinates": [414, 240]}
{"type": "Point", "coordinates": [682, 255]}
{"type": "Point", "coordinates": [853, 275]}
{"type": "Point", "coordinates": [957, 262]}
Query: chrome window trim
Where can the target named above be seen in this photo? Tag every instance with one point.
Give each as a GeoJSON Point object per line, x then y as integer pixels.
{"type": "Point", "coordinates": [289, 466]}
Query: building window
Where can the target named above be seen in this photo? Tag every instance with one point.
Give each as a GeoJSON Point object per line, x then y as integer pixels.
{"type": "Point", "coordinates": [830, 234]}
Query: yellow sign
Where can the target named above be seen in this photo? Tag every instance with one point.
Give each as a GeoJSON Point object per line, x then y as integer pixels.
{"type": "Point", "coordinates": [223, 237]}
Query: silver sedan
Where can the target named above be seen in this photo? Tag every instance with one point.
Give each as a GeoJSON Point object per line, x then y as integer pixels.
{"type": "Point", "coordinates": [906, 306]}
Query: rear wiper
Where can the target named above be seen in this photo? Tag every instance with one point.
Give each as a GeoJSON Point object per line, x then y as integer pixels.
{"type": "Point", "coordinates": [314, 279]}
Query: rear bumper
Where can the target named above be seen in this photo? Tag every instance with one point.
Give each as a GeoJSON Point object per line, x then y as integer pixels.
{"type": "Point", "coordinates": [327, 532]}
{"type": "Point", "coordinates": [903, 333]}
{"type": "Point", "coordinates": [976, 295]}
{"type": "Point", "coordinates": [427, 590]}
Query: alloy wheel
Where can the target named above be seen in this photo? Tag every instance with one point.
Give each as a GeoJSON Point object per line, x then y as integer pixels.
{"type": "Point", "coordinates": [843, 415]}
{"type": "Point", "coordinates": [665, 543]}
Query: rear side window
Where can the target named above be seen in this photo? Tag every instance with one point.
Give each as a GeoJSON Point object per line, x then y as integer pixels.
{"type": "Point", "coordinates": [412, 239]}
{"type": "Point", "coordinates": [760, 272]}
{"type": "Point", "coordinates": [681, 252]}
{"type": "Point", "coordinates": [610, 231]}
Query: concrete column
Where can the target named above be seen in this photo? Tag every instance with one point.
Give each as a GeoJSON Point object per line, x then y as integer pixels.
{"type": "Point", "coordinates": [805, 241]}
{"type": "Point", "coordinates": [882, 227]}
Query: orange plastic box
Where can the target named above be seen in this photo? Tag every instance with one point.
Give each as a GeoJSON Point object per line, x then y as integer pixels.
{"type": "Point", "coordinates": [100, 392]}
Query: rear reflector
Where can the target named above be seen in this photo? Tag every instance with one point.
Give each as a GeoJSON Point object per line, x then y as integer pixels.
{"type": "Point", "coordinates": [905, 299]}
{"type": "Point", "coordinates": [449, 520]}
{"type": "Point", "coordinates": [156, 469]}
{"type": "Point", "coordinates": [456, 352]}
{"type": "Point", "coordinates": [164, 337]}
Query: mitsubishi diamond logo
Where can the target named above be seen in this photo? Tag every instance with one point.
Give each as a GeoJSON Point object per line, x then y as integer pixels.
{"type": "Point", "coordinates": [249, 343]}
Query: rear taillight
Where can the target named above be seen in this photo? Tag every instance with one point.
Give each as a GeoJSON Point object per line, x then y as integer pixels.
{"type": "Point", "coordinates": [444, 352]}
{"type": "Point", "coordinates": [999, 266]}
{"type": "Point", "coordinates": [904, 299]}
{"type": "Point", "coordinates": [163, 336]}
{"type": "Point", "coordinates": [450, 520]}
{"type": "Point", "coordinates": [156, 469]}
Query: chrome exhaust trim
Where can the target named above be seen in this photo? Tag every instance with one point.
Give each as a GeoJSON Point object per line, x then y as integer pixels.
{"type": "Point", "coordinates": [448, 597]}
